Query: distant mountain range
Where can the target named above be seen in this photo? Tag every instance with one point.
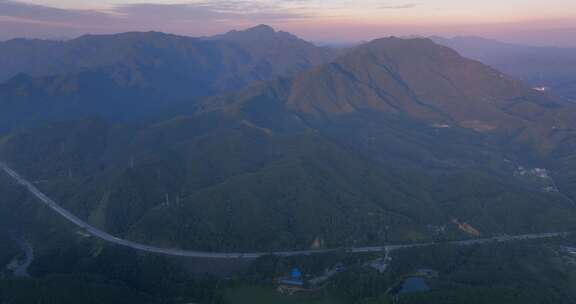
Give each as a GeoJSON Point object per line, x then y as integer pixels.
{"type": "Point", "coordinates": [133, 75]}
{"type": "Point", "coordinates": [47, 57]}
{"type": "Point", "coordinates": [393, 140]}
{"type": "Point", "coordinates": [551, 67]}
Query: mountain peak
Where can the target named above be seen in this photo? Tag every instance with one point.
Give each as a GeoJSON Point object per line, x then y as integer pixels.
{"type": "Point", "coordinates": [396, 42]}
{"type": "Point", "coordinates": [257, 33]}
{"type": "Point", "coordinates": [419, 78]}
{"type": "Point", "coordinates": [262, 28]}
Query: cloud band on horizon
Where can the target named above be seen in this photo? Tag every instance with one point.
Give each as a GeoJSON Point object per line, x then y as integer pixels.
{"type": "Point", "coordinates": [312, 19]}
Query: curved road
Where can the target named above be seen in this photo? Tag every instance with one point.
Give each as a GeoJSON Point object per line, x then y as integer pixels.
{"type": "Point", "coordinates": [238, 255]}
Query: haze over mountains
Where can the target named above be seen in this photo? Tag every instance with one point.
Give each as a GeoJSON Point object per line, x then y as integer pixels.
{"type": "Point", "coordinates": [395, 140]}
{"type": "Point", "coordinates": [551, 67]}
{"type": "Point", "coordinates": [132, 75]}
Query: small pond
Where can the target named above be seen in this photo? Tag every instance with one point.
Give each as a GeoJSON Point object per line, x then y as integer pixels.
{"type": "Point", "coordinates": [413, 284]}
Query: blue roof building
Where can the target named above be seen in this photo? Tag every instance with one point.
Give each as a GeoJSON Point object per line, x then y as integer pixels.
{"type": "Point", "coordinates": [296, 274]}
{"type": "Point", "coordinates": [295, 278]}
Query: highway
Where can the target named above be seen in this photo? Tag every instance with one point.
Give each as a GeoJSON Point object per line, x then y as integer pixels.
{"type": "Point", "coordinates": [240, 255]}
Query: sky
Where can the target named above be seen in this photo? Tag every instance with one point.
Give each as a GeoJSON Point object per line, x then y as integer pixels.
{"type": "Point", "coordinates": [536, 22]}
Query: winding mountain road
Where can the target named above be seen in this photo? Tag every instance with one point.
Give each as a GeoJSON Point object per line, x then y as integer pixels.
{"type": "Point", "coordinates": [240, 255]}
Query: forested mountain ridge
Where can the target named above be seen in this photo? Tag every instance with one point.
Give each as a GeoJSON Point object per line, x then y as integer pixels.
{"type": "Point", "coordinates": [394, 141]}
{"type": "Point", "coordinates": [132, 76]}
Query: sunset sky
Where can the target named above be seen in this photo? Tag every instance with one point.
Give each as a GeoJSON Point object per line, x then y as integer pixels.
{"type": "Point", "coordinates": [551, 22]}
